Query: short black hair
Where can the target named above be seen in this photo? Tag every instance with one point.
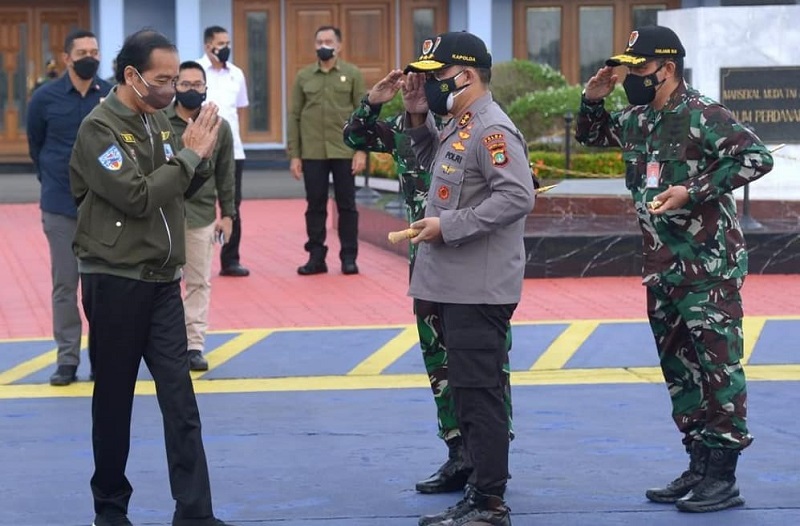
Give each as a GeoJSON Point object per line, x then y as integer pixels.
{"type": "Point", "coordinates": [74, 35]}
{"type": "Point", "coordinates": [137, 50]}
{"type": "Point", "coordinates": [210, 31]}
{"type": "Point", "coordinates": [336, 31]}
{"type": "Point", "coordinates": [191, 64]}
{"type": "Point", "coordinates": [678, 61]}
{"type": "Point", "coordinates": [485, 75]}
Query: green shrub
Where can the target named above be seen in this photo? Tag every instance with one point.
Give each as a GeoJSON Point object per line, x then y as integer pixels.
{"type": "Point", "coordinates": [515, 78]}
{"type": "Point", "coordinates": [393, 107]}
{"type": "Point", "coordinates": [608, 164]}
{"type": "Point", "coordinates": [542, 113]}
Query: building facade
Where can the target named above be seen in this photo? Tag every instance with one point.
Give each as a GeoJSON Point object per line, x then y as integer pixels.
{"type": "Point", "coordinates": [273, 39]}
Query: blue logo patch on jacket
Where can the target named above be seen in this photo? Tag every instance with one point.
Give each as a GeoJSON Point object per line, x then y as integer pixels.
{"type": "Point", "coordinates": [111, 159]}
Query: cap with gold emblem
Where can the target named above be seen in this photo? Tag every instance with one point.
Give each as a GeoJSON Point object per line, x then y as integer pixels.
{"type": "Point", "coordinates": [449, 49]}
{"type": "Point", "coordinates": [648, 43]}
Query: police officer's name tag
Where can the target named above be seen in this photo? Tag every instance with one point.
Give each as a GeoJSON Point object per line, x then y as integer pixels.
{"type": "Point", "coordinates": [653, 174]}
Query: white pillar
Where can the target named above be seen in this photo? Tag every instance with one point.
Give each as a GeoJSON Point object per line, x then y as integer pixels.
{"type": "Point", "coordinates": [111, 32]}
{"type": "Point", "coordinates": [188, 31]}
{"type": "Point", "coordinates": [479, 20]}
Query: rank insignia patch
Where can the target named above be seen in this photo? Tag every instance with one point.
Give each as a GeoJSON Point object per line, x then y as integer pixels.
{"type": "Point", "coordinates": [111, 159]}
{"type": "Point", "coordinates": [444, 192]}
{"type": "Point", "coordinates": [458, 146]}
{"type": "Point", "coordinates": [164, 135]}
{"type": "Point", "coordinates": [463, 135]}
{"type": "Point", "coordinates": [465, 119]}
{"type": "Point", "coordinates": [127, 137]}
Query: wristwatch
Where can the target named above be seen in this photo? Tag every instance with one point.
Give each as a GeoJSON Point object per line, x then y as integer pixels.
{"type": "Point", "coordinates": [590, 102]}
{"type": "Point", "coordinates": [373, 108]}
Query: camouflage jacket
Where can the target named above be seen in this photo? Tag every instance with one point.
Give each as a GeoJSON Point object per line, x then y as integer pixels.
{"type": "Point", "coordinates": [365, 132]}
{"type": "Point", "coordinates": [698, 144]}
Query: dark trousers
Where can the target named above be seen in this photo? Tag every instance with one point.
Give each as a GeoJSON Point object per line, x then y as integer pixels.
{"type": "Point", "coordinates": [475, 337]}
{"type": "Point", "coordinates": [229, 253]}
{"type": "Point", "coordinates": [315, 177]}
{"type": "Point", "coordinates": [130, 320]}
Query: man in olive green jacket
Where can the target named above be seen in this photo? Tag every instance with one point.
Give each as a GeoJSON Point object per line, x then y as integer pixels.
{"type": "Point", "coordinates": [325, 94]}
{"type": "Point", "coordinates": [129, 175]}
{"type": "Point", "coordinates": [202, 226]}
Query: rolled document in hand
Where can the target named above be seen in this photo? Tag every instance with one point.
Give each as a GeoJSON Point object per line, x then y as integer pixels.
{"type": "Point", "coordinates": [408, 233]}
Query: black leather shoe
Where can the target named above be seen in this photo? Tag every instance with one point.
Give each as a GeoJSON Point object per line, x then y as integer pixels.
{"type": "Point", "coordinates": [64, 375]}
{"type": "Point", "coordinates": [235, 271]}
{"type": "Point", "coordinates": [349, 267]}
{"type": "Point", "coordinates": [196, 361]}
{"type": "Point", "coordinates": [312, 267]}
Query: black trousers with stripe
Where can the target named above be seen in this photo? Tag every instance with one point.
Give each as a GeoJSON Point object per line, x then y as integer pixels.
{"type": "Point", "coordinates": [130, 320]}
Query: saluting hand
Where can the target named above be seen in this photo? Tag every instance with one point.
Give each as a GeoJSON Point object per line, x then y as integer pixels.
{"type": "Point", "coordinates": [414, 93]}
{"type": "Point", "coordinates": [430, 229]}
{"type": "Point", "coordinates": [386, 88]}
{"type": "Point", "coordinates": [201, 133]}
{"type": "Point", "coordinates": [601, 84]}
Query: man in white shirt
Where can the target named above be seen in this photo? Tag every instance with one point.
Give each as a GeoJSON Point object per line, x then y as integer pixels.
{"type": "Point", "coordinates": [227, 88]}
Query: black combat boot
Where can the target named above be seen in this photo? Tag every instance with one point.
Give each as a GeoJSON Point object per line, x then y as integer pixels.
{"type": "Point", "coordinates": [681, 486]}
{"type": "Point", "coordinates": [316, 263]}
{"type": "Point", "coordinates": [718, 489]}
{"type": "Point", "coordinates": [475, 508]}
{"type": "Point", "coordinates": [452, 475]}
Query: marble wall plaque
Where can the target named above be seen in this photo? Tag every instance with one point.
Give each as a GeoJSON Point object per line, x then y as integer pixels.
{"type": "Point", "coordinates": [765, 98]}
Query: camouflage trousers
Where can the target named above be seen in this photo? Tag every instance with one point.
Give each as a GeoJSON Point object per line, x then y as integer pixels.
{"type": "Point", "coordinates": [698, 333]}
{"type": "Point", "coordinates": [434, 354]}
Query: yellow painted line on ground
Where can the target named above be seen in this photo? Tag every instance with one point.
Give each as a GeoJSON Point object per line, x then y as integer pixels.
{"type": "Point", "coordinates": [231, 348]}
{"type": "Point", "coordinates": [752, 327]}
{"type": "Point", "coordinates": [378, 361]}
{"type": "Point", "coordinates": [33, 365]}
{"type": "Point", "coordinates": [617, 375]}
{"type": "Point", "coordinates": [565, 346]}
{"type": "Point", "coordinates": [28, 367]}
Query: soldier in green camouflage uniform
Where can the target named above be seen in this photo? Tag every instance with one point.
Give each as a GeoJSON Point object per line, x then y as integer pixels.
{"type": "Point", "coordinates": [684, 155]}
{"type": "Point", "coordinates": [364, 131]}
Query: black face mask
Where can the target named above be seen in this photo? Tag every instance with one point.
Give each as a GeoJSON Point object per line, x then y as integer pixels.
{"type": "Point", "coordinates": [191, 100]}
{"type": "Point", "coordinates": [440, 94]}
{"type": "Point", "coordinates": [641, 90]}
{"type": "Point", "coordinates": [325, 53]}
{"type": "Point", "coordinates": [223, 54]}
{"type": "Point", "coordinates": [86, 68]}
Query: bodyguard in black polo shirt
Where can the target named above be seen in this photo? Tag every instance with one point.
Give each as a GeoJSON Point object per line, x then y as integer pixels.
{"type": "Point", "coordinates": [54, 115]}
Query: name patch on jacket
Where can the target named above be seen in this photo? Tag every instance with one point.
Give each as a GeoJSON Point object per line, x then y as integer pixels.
{"type": "Point", "coordinates": [168, 151]}
{"type": "Point", "coordinates": [111, 159]}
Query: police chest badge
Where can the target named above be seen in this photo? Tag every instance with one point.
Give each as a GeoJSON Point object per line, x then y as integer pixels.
{"type": "Point", "coordinates": [168, 151]}
{"type": "Point", "coordinates": [496, 144]}
{"type": "Point", "coordinates": [111, 159]}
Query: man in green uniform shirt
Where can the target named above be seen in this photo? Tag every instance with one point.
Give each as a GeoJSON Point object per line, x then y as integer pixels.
{"type": "Point", "coordinates": [684, 155]}
{"type": "Point", "coordinates": [324, 94]}
{"type": "Point", "coordinates": [202, 226]}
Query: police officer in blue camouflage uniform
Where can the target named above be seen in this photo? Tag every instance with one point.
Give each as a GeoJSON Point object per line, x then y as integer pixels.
{"type": "Point", "coordinates": [471, 257]}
